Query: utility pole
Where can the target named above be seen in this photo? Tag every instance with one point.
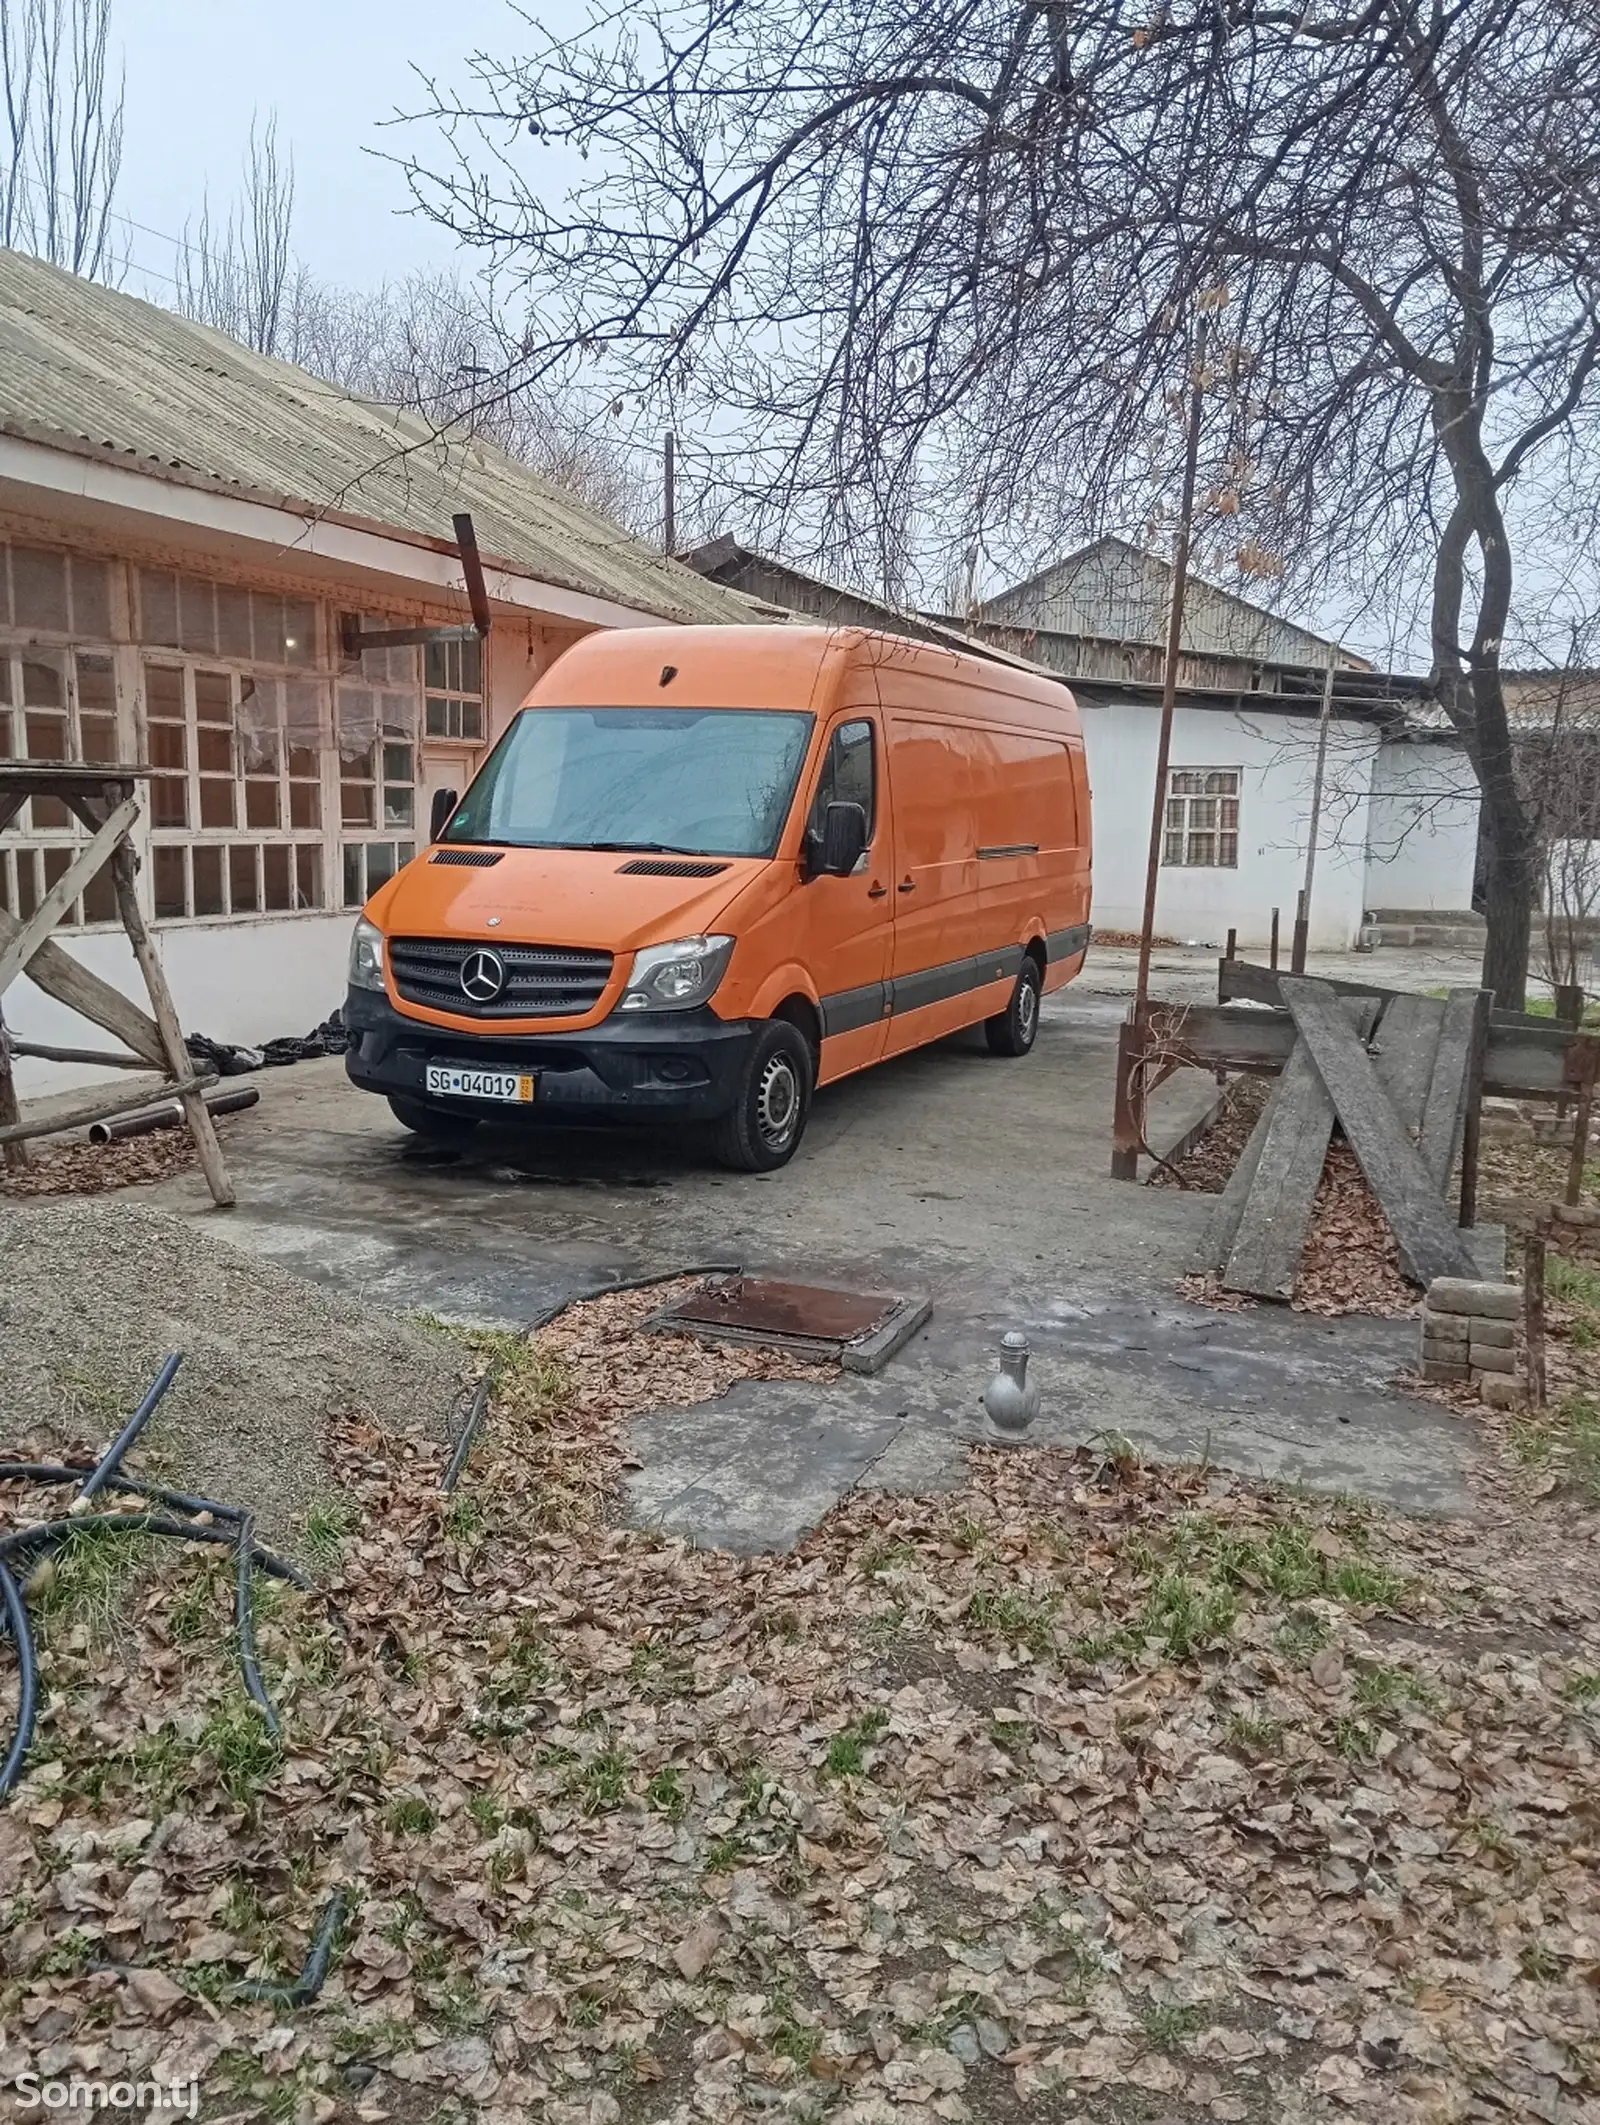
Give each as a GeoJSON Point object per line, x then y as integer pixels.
{"type": "Point", "coordinates": [1302, 920]}
{"type": "Point", "coordinates": [669, 513]}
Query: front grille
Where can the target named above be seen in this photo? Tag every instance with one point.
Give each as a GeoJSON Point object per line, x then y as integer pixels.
{"type": "Point", "coordinates": [480, 859]}
{"type": "Point", "coordinates": [668, 867]}
{"type": "Point", "coordinates": [542, 980]}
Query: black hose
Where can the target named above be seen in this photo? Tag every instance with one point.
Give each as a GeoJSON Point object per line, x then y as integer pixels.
{"type": "Point", "coordinates": [300, 1991]}
{"type": "Point", "coordinates": [16, 1612]}
{"type": "Point", "coordinates": [130, 1431]}
{"type": "Point", "coordinates": [244, 1618]}
{"type": "Point", "coordinates": [477, 1408]}
{"type": "Point", "coordinates": [55, 1472]}
{"type": "Point", "coordinates": [49, 1532]}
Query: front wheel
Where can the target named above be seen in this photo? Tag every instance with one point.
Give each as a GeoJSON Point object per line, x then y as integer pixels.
{"type": "Point", "coordinates": [439, 1124]}
{"type": "Point", "coordinates": [768, 1117]}
{"type": "Point", "coordinates": [1014, 1030]}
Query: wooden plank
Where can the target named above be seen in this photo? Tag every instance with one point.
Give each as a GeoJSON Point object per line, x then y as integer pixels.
{"type": "Point", "coordinates": [61, 976]}
{"type": "Point", "coordinates": [1445, 1112]}
{"type": "Point", "coordinates": [16, 1155]}
{"type": "Point", "coordinates": [1246, 981]}
{"type": "Point", "coordinates": [1237, 1037]}
{"type": "Point", "coordinates": [1404, 1050]}
{"type": "Point", "coordinates": [1430, 1244]}
{"type": "Point", "coordinates": [201, 1127]}
{"type": "Point", "coordinates": [1212, 1254]}
{"type": "Point", "coordinates": [41, 1051]}
{"type": "Point", "coordinates": [1265, 1257]}
{"type": "Point", "coordinates": [85, 866]}
{"type": "Point", "coordinates": [1530, 1061]}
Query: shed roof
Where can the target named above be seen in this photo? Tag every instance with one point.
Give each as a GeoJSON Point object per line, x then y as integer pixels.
{"type": "Point", "coordinates": [90, 369]}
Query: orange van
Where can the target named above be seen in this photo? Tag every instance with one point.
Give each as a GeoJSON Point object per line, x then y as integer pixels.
{"type": "Point", "coordinates": [707, 869]}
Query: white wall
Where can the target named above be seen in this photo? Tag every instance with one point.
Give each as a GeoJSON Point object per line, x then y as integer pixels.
{"type": "Point", "coordinates": [1276, 755]}
{"type": "Point", "coordinates": [245, 982]}
{"type": "Point", "coordinates": [1422, 833]}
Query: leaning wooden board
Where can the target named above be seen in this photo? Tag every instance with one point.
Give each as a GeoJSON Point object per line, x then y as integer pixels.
{"type": "Point", "coordinates": [1429, 1239]}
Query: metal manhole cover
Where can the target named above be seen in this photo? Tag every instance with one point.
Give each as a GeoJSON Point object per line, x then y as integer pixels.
{"type": "Point", "coordinates": [862, 1331]}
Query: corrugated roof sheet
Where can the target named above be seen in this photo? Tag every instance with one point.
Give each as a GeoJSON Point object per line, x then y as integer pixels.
{"type": "Point", "coordinates": [142, 386]}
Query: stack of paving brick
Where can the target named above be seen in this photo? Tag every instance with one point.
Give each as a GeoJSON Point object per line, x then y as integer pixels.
{"type": "Point", "coordinates": [1469, 1333]}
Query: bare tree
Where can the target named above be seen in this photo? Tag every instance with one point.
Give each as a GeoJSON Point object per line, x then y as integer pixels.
{"type": "Point", "coordinates": [944, 264]}
{"type": "Point", "coordinates": [63, 131]}
{"type": "Point", "coordinates": [236, 277]}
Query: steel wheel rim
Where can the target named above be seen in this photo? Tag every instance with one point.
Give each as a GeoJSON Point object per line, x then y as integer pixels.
{"type": "Point", "coordinates": [777, 1102]}
{"type": "Point", "coordinates": [1027, 1010]}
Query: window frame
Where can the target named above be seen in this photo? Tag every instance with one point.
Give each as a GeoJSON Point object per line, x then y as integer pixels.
{"type": "Point", "coordinates": [854, 719]}
{"type": "Point", "coordinates": [1184, 828]}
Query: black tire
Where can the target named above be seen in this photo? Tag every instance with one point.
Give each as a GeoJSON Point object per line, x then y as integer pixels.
{"type": "Point", "coordinates": [763, 1128]}
{"type": "Point", "coordinates": [438, 1124]}
{"type": "Point", "coordinates": [1014, 1030]}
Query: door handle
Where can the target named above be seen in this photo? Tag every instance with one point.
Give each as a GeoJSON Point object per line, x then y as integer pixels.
{"type": "Point", "coordinates": [907, 885]}
{"type": "Point", "coordinates": [877, 892]}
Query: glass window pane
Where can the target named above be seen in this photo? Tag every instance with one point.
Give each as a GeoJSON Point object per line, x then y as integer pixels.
{"type": "Point", "coordinates": [169, 882]}
{"type": "Point", "coordinates": [55, 867]}
{"type": "Point", "coordinates": [39, 589]}
{"type": "Point", "coordinates": [47, 736]}
{"type": "Point", "coordinates": [397, 763]}
{"type": "Point", "coordinates": [358, 723]}
{"type": "Point", "coordinates": [308, 877]}
{"type": "Point", "coordinates": [158, 608]}
{"type": "Point", "coordinates": [1228, 854]}
{"type": "Point", "coordinates": [91, 599]}
{"type": "Point", "coordinates": [355, 804]}
{"type": "Point", "coordinates": [207, 880]}
{"type": "Point", "coordinates": [233, 622]}
{"type": "Point", "coordinates": [299, 632]}
{"type": "Point", "coordinates": [100, 898]}
{"type": "Point", "coordinates": [213, 697]}
{"type": "Point", "coordinates": [279, 869]}
{"type": "Point", "coordinates": [438, 717]}
{"type": "Point", "coordinates": [305, 804]}
{"type": "Point", "coordinates": [7, 894]}
{"type": "Point", "coordinates": [42, 684]}
{"type": "Point", "coordinates": [27, 882]}
{"type": "Point", "coordinates": [471, 679]}
{"type": "Point", "coordinates": [50, 815]}
{"type": "Point", "coordinates": [261, 803]}
{"type": "Point", "coordinates": [433, 665]}
{"type": "Point", "coordinates": [215, 750]}
{"type": "Point", "coordinates": [303, 725]}
{"type": "Point", "coordinates": [398, 715]}
{"type": "Point", "coordinates": [169, 801]}
{"type": "Point", "coordinates": [216, 801]}
{"type": "Point", "coordinates": [1172, 848]}
{"type": "Point", "coordinates": [242, 890]}
{"type": "Point", "coordinates": [268, 626]}
{"type": "Point", "coordinates": [471, 720]}
{"type": "Point", "coordinates": [197, 611]}
{"type": "Point", "coordinates": [97, 688]}
{"type": "Point", "coordinates": [354, 891]}
{"type": "Point", "coordinates": [380, 864]}
{"type": "Point", "coordinates": [99, 737]}
{"type": "Point", "coordinates": [163, 693]}
{"type": "Point", "coordinates": [167, 746]}
{"type": "Point", "coordinates": [398, 807]}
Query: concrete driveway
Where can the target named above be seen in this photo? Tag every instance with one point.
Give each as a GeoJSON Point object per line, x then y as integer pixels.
{"type": "Point", "coordinates": [978, 1183]}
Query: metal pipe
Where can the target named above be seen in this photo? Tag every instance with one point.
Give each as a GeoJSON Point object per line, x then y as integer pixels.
{"type": "Point", "coordinates": [1169, 676]}
{"type": "Point", "coordinates": [244, 1619]}
{"type": "Point", "coordinates": [472, 573]}
{"type": "Point", "coordinates": [1303, 920]}
{"type": "Point", "coordinates": [107, 1466]}
{"type": "Point", "coordinates": [16, 1615]}
{"type": "Point", "coordinates": [169, 1115]}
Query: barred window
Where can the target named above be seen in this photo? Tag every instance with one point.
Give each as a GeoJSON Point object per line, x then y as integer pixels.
{"type": "Point", "coordinates": [1202, 818]}
{"type": "Point", "coordinates": [54, 593]}
{"type": "Point", "coordinates": [54, 706]}
{"type": "Point", "coordinates": [454, 683]}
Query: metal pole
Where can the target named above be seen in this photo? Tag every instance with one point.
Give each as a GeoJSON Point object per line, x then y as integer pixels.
{"type": "Point", "coordinates": [1303, 920]}
{"type": "Point", "coordinates": [1169, 678]}
{"type": "Point", "coordinates": [669, 513]}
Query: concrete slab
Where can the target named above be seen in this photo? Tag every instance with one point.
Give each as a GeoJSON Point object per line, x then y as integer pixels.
{"type": "Point", "coordinates": [978, 1183]}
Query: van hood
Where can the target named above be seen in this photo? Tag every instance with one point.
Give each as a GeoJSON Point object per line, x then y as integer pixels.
{"type": "Point", "coordinates": [582, 897]}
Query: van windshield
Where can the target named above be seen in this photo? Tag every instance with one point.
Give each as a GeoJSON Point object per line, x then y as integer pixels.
{"type": "Point", "coordinates": [712, 782]}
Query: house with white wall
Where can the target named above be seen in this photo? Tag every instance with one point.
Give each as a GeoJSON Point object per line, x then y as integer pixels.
{"type": "Point", "coordinates": [188, 531]}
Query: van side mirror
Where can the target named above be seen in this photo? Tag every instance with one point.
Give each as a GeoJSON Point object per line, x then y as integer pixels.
{"type": "Point", "coordinates": [444, 803]}
{"type": "Point", "coordinates": [843, 840]}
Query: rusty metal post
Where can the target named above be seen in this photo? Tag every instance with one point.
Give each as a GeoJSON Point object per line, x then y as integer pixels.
{"type": "Point", "coordinates": [1127, 1123]}
{"type": "Point", "coordinates": [1582, 1113]}
{"type": "Point", "coordinates": [1272, 950]}
{"type": "Point", "coordinates": [1533, 1313]}
{"type": "Point", "coordinates": [669, 498]}
{"type": "Point", "coordinates": [1233, 945]}
{"type": "Point", "coordinates": [1472, 1123]}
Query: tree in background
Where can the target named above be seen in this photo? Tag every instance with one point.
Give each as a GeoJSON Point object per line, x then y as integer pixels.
{"type": "Point", "coordinates": [62, 136]}
{"type": "Point", "coordinates": [949, 263]}
{"type": "Point", "coordinates": [236, 277]}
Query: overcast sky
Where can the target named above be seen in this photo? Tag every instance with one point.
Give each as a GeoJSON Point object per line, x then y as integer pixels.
{"type": "Point", "coordinates": [334, 71]}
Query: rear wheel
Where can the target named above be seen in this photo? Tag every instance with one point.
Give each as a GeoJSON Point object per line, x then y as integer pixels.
{"type": "Point", "coordinates": [438, 1124]}
{"type": "Point", "coordinates": [1014, 1030]}
{"type": "Point", "coordinates": [768, 1117]}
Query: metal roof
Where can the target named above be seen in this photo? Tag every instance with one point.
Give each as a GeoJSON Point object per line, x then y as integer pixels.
{"type": "Point", "coordinates": [87, 368]}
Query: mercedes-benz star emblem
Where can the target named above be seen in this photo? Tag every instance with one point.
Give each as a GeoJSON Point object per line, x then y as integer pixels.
{"type": "Point", "coordinates": [483, 976]}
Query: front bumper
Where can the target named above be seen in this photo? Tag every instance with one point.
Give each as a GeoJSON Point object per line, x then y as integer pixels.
{"type": "Point", "coordinates": [683, 1063]}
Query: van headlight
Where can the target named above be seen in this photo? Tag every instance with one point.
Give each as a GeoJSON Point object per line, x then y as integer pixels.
{"type": "Point", "coordinates": [677, 976]}
{"type": "Point", "coordinates": [366, 956]}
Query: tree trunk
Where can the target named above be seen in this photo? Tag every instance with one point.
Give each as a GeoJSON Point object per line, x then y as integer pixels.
{"type": "Point", "coordinates": [1508, 909]}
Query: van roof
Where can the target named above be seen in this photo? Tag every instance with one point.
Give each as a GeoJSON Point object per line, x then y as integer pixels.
{"type": "Point", "coordinates": [773, 666]}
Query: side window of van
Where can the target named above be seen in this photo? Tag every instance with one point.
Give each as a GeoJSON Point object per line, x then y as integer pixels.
{"type": "Point", "coordinates": [849, 775]}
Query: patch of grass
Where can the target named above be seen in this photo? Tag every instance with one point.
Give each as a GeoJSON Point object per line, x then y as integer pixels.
{"type": "Point", "coordinates": [1189, 1616]}
{"type": "Point", "coordinates": [486, 1812]}
{"type": "Point", "coordinates": [1301, 1635]}
{"type": "Point", "coordinates": [245, 1753]}
{"type": "Point", "coordinates": [1018, 1618]}
{"type": "Point", "coordinates": [1538, 1961]}
{"type": "Point", "coordinates": [411, 1816]}
{"type": "Point", "coordinates": [1366, 1584]}
{"type": "Point", "coordinates": [1569, 1432]}
{"type": "Point", "coordinates": [68, 1955]}
{"type": "Point", "coordinates": [327, 1526]}
{"type": "Point", "coordinates": [602, 1783]}
{"type": "Point", "coordinates": [1354, 1739]}
{"type": "Point", "coordinates": [1582, 1687]}
{"type": "Point", "coordinates": [88, 1578]}
{"type": "Point", "coordinates": [1382, 1689]}
{"type": "Point", "coordinates": [242, 1912]}
{"type": "Point", "coordinates": [1260, 1736]}
{"type": "Point", "coordinates": [1165, 2026]}
{"type": "Point", "coordinates": [883, 1555]}
{"type": "Point", "coordinates": [1013, 1735]}
{"type": "Point", "coordinates": [722, 1854]}
{"type": "Point", "coordinates": [847, 1751]}
{"type": "Point", "coordinates": [665, 1794]}
{"type": "Point", "coordinates": [464, 1517]}
{"type": "Point", "coordinates": [195, 1614]}
{"type": "Point", "coordinates": [585, 2011]}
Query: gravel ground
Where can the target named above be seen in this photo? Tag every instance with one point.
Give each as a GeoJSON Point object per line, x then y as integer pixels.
{"type": "Point", "coordinates": [95, 1293]}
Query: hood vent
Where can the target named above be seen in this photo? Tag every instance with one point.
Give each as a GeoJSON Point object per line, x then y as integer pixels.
{"type": "Point", "coordinates": [479, 859]}
{"type": "Point", "coordinates": [668, 867]}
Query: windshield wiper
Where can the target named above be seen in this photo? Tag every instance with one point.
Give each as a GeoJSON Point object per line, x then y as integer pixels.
{"type": "Point", "coordinates": [635, 848]}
